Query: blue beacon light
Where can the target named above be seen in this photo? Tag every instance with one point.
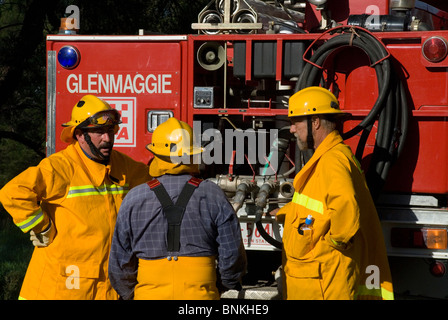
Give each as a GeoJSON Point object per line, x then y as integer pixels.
{"type": "Point", "coordinates": [68, 57]}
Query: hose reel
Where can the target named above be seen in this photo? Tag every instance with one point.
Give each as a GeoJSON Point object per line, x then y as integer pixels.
{"type": "Point", "coordinates": [390, 108]}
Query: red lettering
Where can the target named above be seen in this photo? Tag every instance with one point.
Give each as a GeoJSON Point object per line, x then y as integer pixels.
{"type": "Point", "coordinates": [123, 133]}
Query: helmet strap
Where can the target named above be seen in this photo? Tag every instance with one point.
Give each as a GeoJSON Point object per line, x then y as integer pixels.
{"type": "Point", "coordinates": [95, 151]}
{"type": "Point", "coordinates": [309, 138]}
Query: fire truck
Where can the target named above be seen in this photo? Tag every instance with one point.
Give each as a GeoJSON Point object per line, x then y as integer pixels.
{"type": "Point", "coordinates": [230, 79]}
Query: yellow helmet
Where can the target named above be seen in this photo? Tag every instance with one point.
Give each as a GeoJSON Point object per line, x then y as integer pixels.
{"type": "Point", "coordinates": [173, 138]}
{"type": "Point", "coordinates": [90, 112]}
{"type": "Point", "coordinates": [313, 100]}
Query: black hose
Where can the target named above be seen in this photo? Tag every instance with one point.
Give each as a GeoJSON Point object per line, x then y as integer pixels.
{"type": "Point", "coordinates": [312, 75]}
{"type": "Point", "coordinates": [266, 236]}
{"type": "Point", "coordinates": [390, 108]}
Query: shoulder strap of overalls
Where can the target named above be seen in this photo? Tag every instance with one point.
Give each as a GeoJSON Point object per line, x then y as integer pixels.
{"type": "Point", "coordinates": [174, 212]}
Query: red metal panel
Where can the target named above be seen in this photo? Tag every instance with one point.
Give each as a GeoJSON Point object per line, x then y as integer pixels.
{"type": "Point", "coordinates": [342, 9]}
{"type": "Point", "coordinates": [133, 76]}
{"type": "Point", "coordinates": [422, 168]}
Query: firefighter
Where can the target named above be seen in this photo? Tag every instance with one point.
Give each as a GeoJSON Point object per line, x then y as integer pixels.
{"type": "Point", "coordinates": [69, 203]}
{"type": "Point", "coordinates": [170, 231]}
{"type": "Point", "coordinates": [333, 246]}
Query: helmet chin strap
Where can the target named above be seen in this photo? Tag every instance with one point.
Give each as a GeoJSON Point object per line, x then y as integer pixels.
{"type": "Point", "coordinates": [95, 151]}
{"type": "Point", "coordinates": [309, 138]}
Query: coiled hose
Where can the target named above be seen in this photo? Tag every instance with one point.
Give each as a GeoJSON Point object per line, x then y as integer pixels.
{"type": "Point", "coordinates": [390, 108]}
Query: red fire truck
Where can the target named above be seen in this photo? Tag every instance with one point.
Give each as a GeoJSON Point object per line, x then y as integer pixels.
{"type": "Point", "coordinates": [386, 61]}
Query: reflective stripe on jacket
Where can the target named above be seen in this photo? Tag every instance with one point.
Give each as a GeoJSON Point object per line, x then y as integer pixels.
{"type": "Point", "coordinates": [82, 198]}
{"type": "Point", "coordinates": [343, 255]}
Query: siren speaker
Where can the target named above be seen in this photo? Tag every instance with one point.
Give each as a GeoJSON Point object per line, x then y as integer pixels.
{"type": "Point", "coordinates": [211, 56]}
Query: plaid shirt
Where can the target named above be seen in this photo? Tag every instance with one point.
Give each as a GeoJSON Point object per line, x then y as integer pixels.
{"type": "Point", "coordinates": [209, 227]}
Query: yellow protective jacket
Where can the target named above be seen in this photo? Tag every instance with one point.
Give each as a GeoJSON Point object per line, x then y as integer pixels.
{"type": "Point", "coordinates": [81, 198]}
{"type": "Point", "coordinates": [343, 255]}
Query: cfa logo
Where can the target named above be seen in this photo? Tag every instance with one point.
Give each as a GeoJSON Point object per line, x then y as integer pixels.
{"type": "Point", "coordinates": [72, 281]}
{"type": "Point", "coordinates": [72, 22]}
{"type": "Point", "coordinates": [126, 136]}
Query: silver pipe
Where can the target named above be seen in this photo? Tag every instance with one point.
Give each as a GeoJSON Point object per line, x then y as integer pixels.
{"type": "Point", "coordinates": [270, 10]}
{"type": "Point", "coordinates": [287, 189]}
{"type": "Point", "coordinates": [234, 6]}
{"type": "Point", "coordinates": [247, 16]}
{"type": "Point", "coordinates": [210, 16]}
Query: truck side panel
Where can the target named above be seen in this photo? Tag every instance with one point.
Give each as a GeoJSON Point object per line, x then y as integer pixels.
{"type": "Point", "coordinates": [143, 81]}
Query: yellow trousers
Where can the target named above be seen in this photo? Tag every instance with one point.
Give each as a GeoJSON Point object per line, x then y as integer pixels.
{"type": "Point", "coordinates": [187, 278]}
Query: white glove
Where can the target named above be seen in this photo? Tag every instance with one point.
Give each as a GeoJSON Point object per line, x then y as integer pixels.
{"type": "Point", "coordinates": [44, 238]}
